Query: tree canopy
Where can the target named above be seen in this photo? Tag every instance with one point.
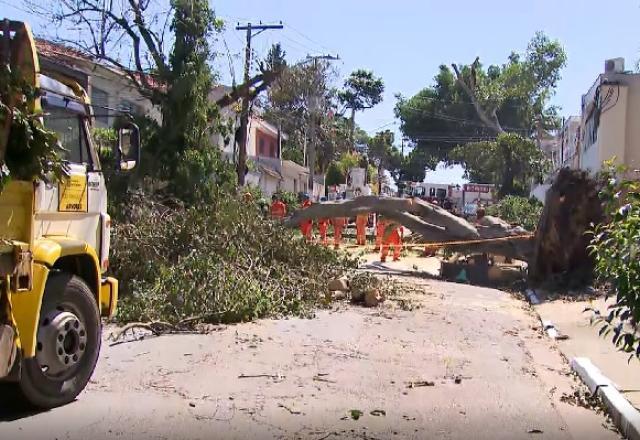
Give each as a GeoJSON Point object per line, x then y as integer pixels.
{"type": "Point", "coordinates": [471, 103]}
{"type": "Point", "coordinates": [511, 162]}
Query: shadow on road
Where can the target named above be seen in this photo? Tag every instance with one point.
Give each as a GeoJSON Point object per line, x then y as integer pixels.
{"type": "Point", "coordinates": [381, 268]}
{"type": "Point", "coordinates": [17, 414]}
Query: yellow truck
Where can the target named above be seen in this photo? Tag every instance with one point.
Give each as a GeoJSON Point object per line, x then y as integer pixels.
{"type": "Point", "coordinates": [54, 245]}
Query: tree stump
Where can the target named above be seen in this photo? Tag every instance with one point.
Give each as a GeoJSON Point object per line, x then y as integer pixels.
{"type": "Point", "coordinates": [560, 256]}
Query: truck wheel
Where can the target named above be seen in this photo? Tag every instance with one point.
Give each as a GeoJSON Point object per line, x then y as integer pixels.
{"type": "Point", "coordinates": [68, 344]}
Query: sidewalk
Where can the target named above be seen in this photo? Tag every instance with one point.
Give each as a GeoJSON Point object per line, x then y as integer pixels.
{"type": "Point", "coordinates": [568, 319]}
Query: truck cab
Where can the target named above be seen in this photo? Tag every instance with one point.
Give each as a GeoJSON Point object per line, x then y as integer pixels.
{"type": "Point", "coordinates": [54, 246]}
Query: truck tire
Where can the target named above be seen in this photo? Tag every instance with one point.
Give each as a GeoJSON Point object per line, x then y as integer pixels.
{"type": "Point", "coordinates": [68, 344]}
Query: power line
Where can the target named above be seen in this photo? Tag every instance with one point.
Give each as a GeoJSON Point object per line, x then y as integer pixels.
{"type": "Point", "coordinates": [445, 101]}
{"type": "Point", "coordinates": [309, 39]}
{"type": "Point", "coordinates": [16, 7]}
{"type": "Point", "coordinates": [463, 121]}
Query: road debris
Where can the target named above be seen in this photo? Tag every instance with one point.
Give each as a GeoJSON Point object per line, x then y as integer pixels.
{"type": "Point", "coordinates": [356, 414]}
{"type": "Point", "coordinates": [292, 411]}
{"type": "Point", "coordinates": [535, 431]}
{"type": "Point", "coordinates": [270, 376]}
{"type": "Point", "coordinates": [420, 383]}
{"type": "Point", "coordinates": [378, 412]}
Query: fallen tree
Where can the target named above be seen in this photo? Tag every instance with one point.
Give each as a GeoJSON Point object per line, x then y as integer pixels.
{"type": "Point", "coordinates": [431, 223]}
{"type": "Point", "coordinates": [556, 254]}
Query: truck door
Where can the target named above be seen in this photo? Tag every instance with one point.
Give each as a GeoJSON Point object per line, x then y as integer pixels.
{"type": "Point", "coordinates": [72, 207]}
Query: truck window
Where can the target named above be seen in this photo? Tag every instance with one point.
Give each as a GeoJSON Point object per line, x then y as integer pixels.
{"type": "Point", "coordinates": [70, 129]}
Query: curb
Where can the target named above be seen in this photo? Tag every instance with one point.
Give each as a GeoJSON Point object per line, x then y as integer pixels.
{"type": "Point", "coordinates": [552, 332]}
{"type": "Point", "coordinates": [624, 415]}
{"type": "Point", "coordinates": [531, 296]}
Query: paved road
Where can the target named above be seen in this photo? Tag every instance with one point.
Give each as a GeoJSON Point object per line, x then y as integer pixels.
{"type": "Point", "coordinates": [300, 378]}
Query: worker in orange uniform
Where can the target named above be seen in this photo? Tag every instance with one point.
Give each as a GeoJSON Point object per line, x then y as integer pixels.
{"type": "Point", "coordinates": [392, 238]}
{"type": "Point", "coordinates": [306, 226]}
{"type": "Point", "coordinates": [338, 225]}
{"type": "Point", "coordinates": [323, 226]}
{"type": "Point", "coordinates": [361, 229]}
{"type": "Point", "coordinates": [278, 209]}
{"type": "Point", "coordinates": [380, 225]}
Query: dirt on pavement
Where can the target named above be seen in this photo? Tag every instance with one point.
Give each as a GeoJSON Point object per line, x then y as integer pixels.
{"type": "Point", "coordinates": [465, 363]}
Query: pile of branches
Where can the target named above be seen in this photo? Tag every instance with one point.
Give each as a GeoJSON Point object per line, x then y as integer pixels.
{"type": "Point", "coordinates": [219, 262]}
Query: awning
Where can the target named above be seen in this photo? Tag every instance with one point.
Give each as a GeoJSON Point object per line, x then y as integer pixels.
{"type": "Point", "coordinates": [270, 172]}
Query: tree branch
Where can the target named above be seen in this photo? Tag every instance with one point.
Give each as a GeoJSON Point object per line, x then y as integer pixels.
{"type": "Point", "coordinates": [490, 120]}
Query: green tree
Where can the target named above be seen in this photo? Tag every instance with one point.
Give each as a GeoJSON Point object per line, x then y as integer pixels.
{"type": "Point", "coordinates": [384, 154]}
{"type": "Point", "coordinates": [334, 176]}
{"type": "Point", "coordinates": [287, 105]}
{"type": "Point", "coordinates": [469, 103]}
{"type": "Point", "coordinates": [177, 80]}
{"type": "Point", "coordinates": [511, 162]}
{"type": "Point", "coordinates": [362, 90]}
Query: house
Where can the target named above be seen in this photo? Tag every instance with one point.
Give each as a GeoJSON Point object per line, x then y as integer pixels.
{"type": "Point", "coordinates": [295, 177]}
{"type": "Point", "coordinates": [110, 89]}
{"type": "Point", "coordinates": [267, 169]}
{"type": "Point", "coordinates": [609, 119]}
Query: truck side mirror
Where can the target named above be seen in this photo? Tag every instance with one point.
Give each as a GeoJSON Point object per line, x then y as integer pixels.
{"type": "Point", "coordinates": [127, 152]}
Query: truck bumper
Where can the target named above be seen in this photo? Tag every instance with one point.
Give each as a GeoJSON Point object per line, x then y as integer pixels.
{"type": "Point", "coordinates": [7, 349]}
{"type": "Point", "coordinates": [108, 297]}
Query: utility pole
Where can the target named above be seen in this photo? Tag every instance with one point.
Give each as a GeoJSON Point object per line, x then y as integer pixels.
{"type": "Point", "coordinates": [244, 113]}
{"type": "Point", "coordinates": [314, 104]}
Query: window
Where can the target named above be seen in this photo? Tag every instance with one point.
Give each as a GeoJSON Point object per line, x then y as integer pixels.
{"type": "Point", "coordinates": [590, 131]}
{"type": "Point", "coordinates": [100, 100]}
{"type": "Point", "coordinates": [70, 129]}
{"type": "Point", "coordinates": [127, 106]}
{"type": "Point", "coordinates": [432, 192]}
{"type": "Point", "coordinates": [261, 148]}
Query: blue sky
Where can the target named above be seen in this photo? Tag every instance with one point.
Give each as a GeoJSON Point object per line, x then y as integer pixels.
{"type": "Point", "coordinates": [404, 41]}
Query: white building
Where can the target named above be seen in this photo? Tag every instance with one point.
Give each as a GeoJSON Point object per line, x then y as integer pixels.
{"type": "Point", "coordinates": [609, 119]}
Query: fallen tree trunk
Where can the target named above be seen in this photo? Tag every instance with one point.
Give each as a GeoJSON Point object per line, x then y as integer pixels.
{"type": "Point", "coordinates": [431, 222]}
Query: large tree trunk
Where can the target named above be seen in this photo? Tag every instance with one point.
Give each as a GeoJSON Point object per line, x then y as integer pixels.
{"type": "Point", "coordinates": [561, 256]}
{"type": "Point", "coordinates": [430, 221]}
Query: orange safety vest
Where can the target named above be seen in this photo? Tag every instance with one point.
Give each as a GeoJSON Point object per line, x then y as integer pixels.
{"type": "Point", "coordinates": [278, 209]}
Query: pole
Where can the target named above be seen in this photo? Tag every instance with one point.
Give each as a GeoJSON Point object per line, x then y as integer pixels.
{"type": "Point", "coordinates": [244, 112]}
{"type": "Point", "coordinates": [314, 107]}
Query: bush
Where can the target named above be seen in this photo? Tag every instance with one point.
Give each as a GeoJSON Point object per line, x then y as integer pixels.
{"type": "Point", "coordinates": [290, 199]}
{"type": "Point", "coordinates": [518, 210]}
{"type": "Point", "coordinates": [216, 262]}
{"type": "Point", "coordinates": [616, 249]}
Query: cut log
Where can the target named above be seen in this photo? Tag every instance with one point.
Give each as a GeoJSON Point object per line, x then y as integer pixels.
{"type": "Point", "coordinates": [560, 253]}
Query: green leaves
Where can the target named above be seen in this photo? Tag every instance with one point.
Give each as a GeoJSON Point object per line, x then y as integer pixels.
{"type": "Point", "coordinates": [442, 116]}
{"type": "Point", "coordinates": [31, 151]}
{"type": "Point", "coordinates": [362, 90]}
{"type": "Point", "coordinates": [510, 162]}
{"type": "Point", "coordinates": [518, 210]}
{"type": "Point", "coordinates": [615, 249]}
{"type": "Point", "coordinates": [221, 261]}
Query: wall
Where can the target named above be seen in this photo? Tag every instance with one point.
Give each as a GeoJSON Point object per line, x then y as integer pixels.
{"type": "Point", "coordinates": [119, 91]}
{"type": "Point", "coordinates": [618, 132]}
{"type": "Point", "coordinates": [632, 150]}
